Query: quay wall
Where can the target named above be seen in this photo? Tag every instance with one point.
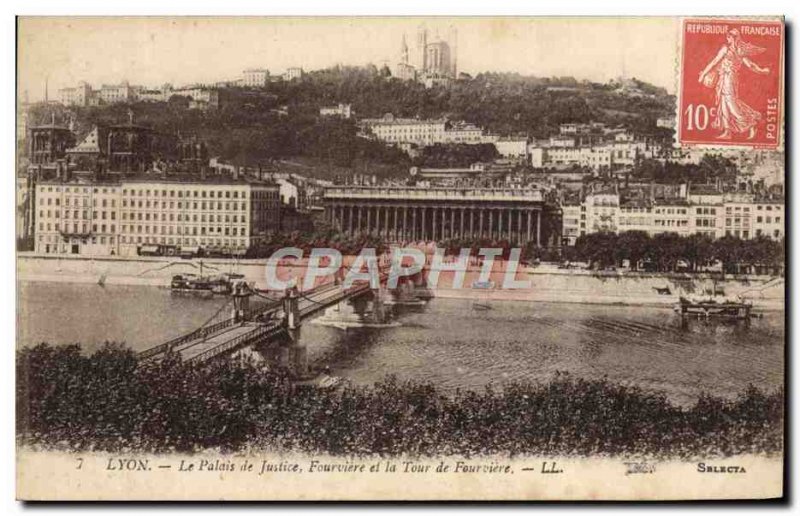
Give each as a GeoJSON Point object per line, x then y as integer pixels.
{"type": "Point", "coordinates": [547, 283]}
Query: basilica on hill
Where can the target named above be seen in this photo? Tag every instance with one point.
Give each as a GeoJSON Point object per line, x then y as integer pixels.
{"type": "Point", "coordinates": [432, 61]}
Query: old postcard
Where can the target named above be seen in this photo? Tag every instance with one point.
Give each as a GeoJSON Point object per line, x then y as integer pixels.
{"type": "Point", "coordinates": [400, 258]}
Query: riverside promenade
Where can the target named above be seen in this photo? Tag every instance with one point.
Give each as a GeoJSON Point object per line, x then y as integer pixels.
{"type": "Point", "coordinates": [548, 282]}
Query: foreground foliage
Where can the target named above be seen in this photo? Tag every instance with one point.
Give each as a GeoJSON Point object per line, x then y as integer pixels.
{"type": "Point", "coordinates": [68, 400]}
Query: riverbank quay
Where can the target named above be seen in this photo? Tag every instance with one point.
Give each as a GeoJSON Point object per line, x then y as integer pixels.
{"type": "Point", "coordinates": [546, 282]}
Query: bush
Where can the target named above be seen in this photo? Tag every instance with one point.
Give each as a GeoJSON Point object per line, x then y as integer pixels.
{"type": "Point", "coordinates": [104, 402]}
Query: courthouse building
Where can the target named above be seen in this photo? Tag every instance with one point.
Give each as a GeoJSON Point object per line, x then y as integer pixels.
{"type": "Point", "coordinates": [413, 214]}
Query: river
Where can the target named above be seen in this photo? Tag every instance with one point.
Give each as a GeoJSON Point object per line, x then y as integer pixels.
{"type": "Point", "coordinates": [450, 343]}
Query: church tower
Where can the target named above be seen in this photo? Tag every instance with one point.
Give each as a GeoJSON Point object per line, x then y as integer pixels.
{"type": "Point", "coordinates": [453, 37]}
{"type": "Point", "coordinates": [422, 43]}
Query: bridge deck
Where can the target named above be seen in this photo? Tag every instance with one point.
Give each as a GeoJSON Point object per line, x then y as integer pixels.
{"type": "Point", "coordinates": [224, 336]}
{"type": "Point", "coordinates": [196, 347]}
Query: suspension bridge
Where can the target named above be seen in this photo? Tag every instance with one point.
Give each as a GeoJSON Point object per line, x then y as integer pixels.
{"type": "Point", "coordinates": [235, 325]}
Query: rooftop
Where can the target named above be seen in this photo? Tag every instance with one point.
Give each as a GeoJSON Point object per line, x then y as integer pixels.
{"type": "Point", "coordinates": [173, 179]}
{"type": "Point", "coordinates": [704, 190]}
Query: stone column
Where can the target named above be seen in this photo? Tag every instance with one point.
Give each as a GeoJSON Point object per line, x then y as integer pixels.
{"type": "Point", "coordinates": [433, 224]}
{"type": "Point", "coordinates": [471, 222]}
{"type": "Point", "coordinates": [539, 227]}
{"type": "Point", "coordinates": [519, 225]}
{"type": "Point", "coordinates": [405, 217]}
{"type": "Point", "coordinates": [528, 236]}
{"type": "Point", "coordinates": [414, 223]}
{"type": "Point", "coordinates": [509, 224]}
{"type": "Point", "coordinates": [423, 232]}
{"type": "Point", "coordinates": [369, 220]}
{"type": "Point", "coordinates": [378, 220]}
{"type": "Point", "coordinates": [350, 220]}
{"type": "Point", "coordinates": [461, 226]}
{"type": "Point", "coordinates": [480, 222]}
{"type": "Point", "coordinates": [500, 223]}
{"type": "Point", "coordinates": [491, 223]}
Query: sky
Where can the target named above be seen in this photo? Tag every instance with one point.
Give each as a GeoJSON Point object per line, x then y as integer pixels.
{"type": "Point", "coordinates": [152, 51]}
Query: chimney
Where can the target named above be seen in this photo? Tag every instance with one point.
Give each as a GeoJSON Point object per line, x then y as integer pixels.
{"type": "Point", "coordinates": [202, 172]}
{"type": "Point", "coordinates": [236, 173]}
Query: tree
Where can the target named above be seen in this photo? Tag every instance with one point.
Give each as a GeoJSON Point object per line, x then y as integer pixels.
{"type": "Point", "coordinates": [597, 248]}
{"type": "Point", "coordinates": [728, 250]}
{"type": "Point", "coordinates": [665, 251]}
{"type": "Point", "coordinates": [698, 250]}
{"type": "Point", "coordinates": [632, 245]}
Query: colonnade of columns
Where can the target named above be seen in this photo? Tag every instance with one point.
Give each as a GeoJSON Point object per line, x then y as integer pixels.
{"type": "Point", "coordinates": [415, 223]}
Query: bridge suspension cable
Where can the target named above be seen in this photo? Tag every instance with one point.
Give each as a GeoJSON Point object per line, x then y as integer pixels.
{"type": "Point", "coordinates": [215, 318]}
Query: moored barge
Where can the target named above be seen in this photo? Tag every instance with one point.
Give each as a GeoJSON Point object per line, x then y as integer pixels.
{"type": "Point", "coordinates": [711, 307]}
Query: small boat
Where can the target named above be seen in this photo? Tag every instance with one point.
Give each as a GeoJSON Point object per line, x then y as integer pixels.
{"type": "Point", "coordinates": [188, 283]}
{"type": "Point", "coordinates": [481, 307]}
{"type": "Point", "coordinates": [220, 285]}
{"type": "Point", "coordinates": [713, 307]}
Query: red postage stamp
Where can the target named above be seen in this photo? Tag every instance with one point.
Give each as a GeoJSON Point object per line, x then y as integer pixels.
{"type": "Point", "coordinates": [731, 83]}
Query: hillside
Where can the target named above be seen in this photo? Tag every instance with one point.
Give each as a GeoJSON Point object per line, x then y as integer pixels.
{"type": "Point", "coordinates": [282, 120]}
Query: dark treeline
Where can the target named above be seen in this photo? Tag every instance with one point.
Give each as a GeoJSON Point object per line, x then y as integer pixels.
{"type": "Point", "coordinates": [307, 241]}
{"type": "Point", "coordinates": [455, 155]}
{"type": "Point", "coordinates": [710, 169]}
{"type": "Point", "coordinates": [664, 251]}
{"type": "Point", "coordinates": [282, 119]}
{"type": "Point", "coordinates": [68, 400]}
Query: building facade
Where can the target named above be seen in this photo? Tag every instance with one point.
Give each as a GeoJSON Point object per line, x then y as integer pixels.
{"type": "Point", "coordinates": [255, 78]}
{"type": "Point", "coordinates": [340, 110]}
{"type": "Point", "coordinates": [81, 95]}
{"type": "Point", "coordinates": [691, 210]}
{"type": "Point", "coordinates": [433, 214]}
{"type": "Point", "coordinates": [294, 72]}
{"type": "Point", "coordinates": [423, 132]}
{"type": "Point", "coordinates": [769, 218]}
{"type": "Point", "coordinates": [113, 93]}
{"type": "Point", "coordinates": [201, 97]}
{"type": "Point", "coordinates": [48, 143]}
{"type": "Point", "coordinates": [117, 218]}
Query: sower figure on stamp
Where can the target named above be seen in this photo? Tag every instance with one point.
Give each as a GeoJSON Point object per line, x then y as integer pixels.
{"type": "Point", "coordinates": [722, 73]}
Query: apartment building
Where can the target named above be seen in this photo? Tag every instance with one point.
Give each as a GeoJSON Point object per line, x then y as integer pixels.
{"type": "Point", "coordinates": [117, 218]}
{"type": "Point", "coordinates": [769, 218]}
{"type": "Point", "coordinates": [423, 132]}
{"type": "Point", "coordinates": [689, 210]}
{"type": "Point", "coordinates": [255, 77]}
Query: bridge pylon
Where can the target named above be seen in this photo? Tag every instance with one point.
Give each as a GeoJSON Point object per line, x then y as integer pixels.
{"type": "Point", "coordinates": [294, 355]}
{"type": "Point", "coordinates": [241, 301]}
